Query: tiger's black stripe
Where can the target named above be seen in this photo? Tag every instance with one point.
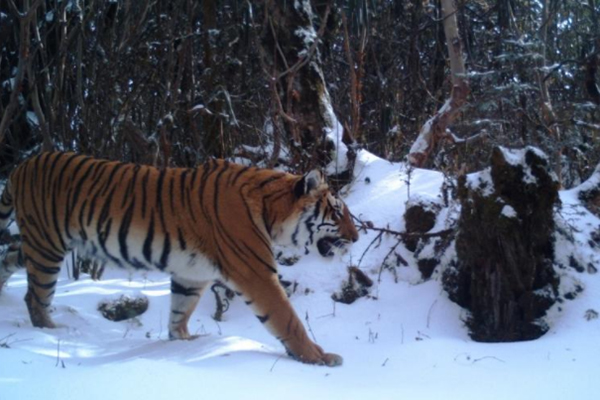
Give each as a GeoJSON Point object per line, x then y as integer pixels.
{"type": "Point", "coordinates": [131, 185]}
{"type": "Point", "coordinates": [182, 242]}
{"type": "Point", "coordinates": [224, 169]}
{"type": "Point", "coordinates": [171, 194]}
{"type": "Point", "coordinates": [263, 318]}
{"type": "Point", "coordinates": [264, 262]}
{"type": "Point", "coordinates": [45, 269]}
{"type": "Point", "coordinates": [33, 183]}
{"type": "Point", "coordinates": [75, 193]}
{"type": "Point", "coordinates": [46, 177]}
{"type": "Point", "coordinates": [166, 250]}
{"type": "Point", "coordinates": [111, 177]}
{"type": "Point", "coordinates": [47, 286]}
{"type": "Point", "coordinates": [159, 198]}
{"type": "Point", "coordinates": [239, 174]}
{"type": "Point", "coordinates": [96, 195]}
{"type": "Point", "coordinates": [177, 288]}
{"type": "Point", "coordinates": [124, 230]}
{"type": "Point", "coordinates": [82, 232]}
{"type": "Point", "coordinates": [144, 194]}
{"type": "Point", "coordinates": [147, 249]}
{"type": "Point", "coordinates": [188, 195]}
{"type": "Point", "coordinates": [35, 230]}
{"type": "Point", "coordinates": [39, 232]}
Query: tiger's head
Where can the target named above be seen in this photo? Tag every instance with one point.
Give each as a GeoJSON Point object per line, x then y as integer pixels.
{"type": "Point", "coordinates": [322, 218]}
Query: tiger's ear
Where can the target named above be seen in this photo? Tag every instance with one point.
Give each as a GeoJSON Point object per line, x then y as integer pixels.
{"type": "Point", "coordinates": [309, 183]}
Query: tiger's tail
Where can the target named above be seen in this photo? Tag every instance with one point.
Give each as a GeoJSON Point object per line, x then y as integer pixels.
{"type": "Point", "coordinates": [11, 258]}
{"type": "Point", "coordinates": [7, 208]}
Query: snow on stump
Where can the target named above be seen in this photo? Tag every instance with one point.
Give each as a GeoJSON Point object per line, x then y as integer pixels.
{"type": "Point", "coordinates": [589, 192]}
{"type": "Point", "coordinates": [421, 214]}
{"type": "Point", "coordinates": [505, 247]}
{"type": "Point", "coordinates": [123, 308]}
{"type": "Point", "coordinates": [355, 287]}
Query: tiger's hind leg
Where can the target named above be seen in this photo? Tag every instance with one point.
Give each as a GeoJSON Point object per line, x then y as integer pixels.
{"type": "Point", "coordinates": [42, 274]}
{"type": "Point", "coordinates": [185, 296]}
{"type": "Point", "coordinates": [11, 263]}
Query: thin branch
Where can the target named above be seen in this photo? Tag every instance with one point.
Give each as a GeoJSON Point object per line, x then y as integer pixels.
{"type": "Point", "coordinates": [407, 235]}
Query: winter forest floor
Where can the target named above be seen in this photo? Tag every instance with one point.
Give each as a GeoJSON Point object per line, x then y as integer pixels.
{"type": "Point", "coordinates": [406, 339]}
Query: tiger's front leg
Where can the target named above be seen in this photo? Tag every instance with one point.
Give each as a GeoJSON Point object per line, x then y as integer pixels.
{"type": "Point", "coordinates": [272, 307]}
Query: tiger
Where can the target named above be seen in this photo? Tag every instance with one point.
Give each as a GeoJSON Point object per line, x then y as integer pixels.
{"type": "Point", "coordinates": [216, 222]}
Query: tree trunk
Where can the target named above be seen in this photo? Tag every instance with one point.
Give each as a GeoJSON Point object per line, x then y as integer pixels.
{"type": "Point", "coordinates": [434, 129]}
{"type": "Point", "coordinates": [212, 124]}
{"type": "Point", "coordinates": [24, 17]}
{"type": "Point", "coordinates": [505, 247]}
{"type": "Point", "coordinates": [291, 51]}
{"type": "Point", "coordinates": [548, 115]}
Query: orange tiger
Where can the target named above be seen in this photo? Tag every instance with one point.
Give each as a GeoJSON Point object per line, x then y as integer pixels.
{"type": "Point", "coordinates": [214, 222]}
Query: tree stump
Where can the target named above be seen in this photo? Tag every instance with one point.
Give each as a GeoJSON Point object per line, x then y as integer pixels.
{"type": "Point", "coordinates": [505, 248]}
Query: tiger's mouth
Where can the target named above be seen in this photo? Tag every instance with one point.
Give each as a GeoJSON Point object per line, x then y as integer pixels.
{"type": "Point", "coordinates": [328, 245]}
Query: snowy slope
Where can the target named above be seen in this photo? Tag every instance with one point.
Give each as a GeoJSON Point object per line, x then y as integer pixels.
{"type": "Point", "coordinates": [406, 340]}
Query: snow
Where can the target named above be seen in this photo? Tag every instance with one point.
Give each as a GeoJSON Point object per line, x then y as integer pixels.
{"type": "Point", "coordinates": [406, 340]}
{"type": "Point", "coordinates": [32, 118]}
{"type": "Point", "coordinates": [508, 212]}
{"type": "Point", "coordinates": [334, 132]}
{"type": "Point", "coordinates": [481, 181]}
{"type": "Point", "coordinates": [517, 156]}
{"type": "Point", "coordinates": [421, 144]}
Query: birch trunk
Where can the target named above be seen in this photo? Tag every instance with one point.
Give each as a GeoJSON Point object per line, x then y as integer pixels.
{"type": "Point", "coordinates": [434, 129]}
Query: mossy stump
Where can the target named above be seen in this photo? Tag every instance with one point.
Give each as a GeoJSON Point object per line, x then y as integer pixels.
{"type": "Point", "coordinates": [505, 247]}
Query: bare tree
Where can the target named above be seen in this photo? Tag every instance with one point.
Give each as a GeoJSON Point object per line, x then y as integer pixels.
{"type": "Point", "coordinates": [435, 129]}
{"type": "Point", "coordinates": [291, 51]}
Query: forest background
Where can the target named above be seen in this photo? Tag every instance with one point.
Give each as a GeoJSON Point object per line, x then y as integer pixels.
{"type": "Point", "coordinates": [171, 83]}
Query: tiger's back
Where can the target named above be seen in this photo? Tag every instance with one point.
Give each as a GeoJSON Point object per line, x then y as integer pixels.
{"type": "Point", "coordinates": [217, 221]}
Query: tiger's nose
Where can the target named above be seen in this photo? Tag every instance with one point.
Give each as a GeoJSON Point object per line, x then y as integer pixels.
{"type": "Point", "coordinates": [355, 237]}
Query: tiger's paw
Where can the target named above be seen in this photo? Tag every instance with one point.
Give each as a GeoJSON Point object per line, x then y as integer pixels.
{"type": "Point", "coordinates": [332, 360]}
{"type": "Point", "coordinates": [317, 356]}
{"type": "Point", "coordinates": [327, 359]}
{"type": "Point", "coordinates": [184, 336]}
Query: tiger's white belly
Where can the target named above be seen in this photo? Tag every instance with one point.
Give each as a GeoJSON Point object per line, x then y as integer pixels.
{"type": "Point", "coordinates": [192, 266]}
{"type": "Point", "coordinates": [187, 264]}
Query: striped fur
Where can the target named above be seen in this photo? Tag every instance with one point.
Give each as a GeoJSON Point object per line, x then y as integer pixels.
{"type": "Point", "coordinates": [215, 222]}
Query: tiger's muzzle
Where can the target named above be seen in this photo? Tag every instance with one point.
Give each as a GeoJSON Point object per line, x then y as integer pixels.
{"type": "Point", "coordinates": [329, 245]}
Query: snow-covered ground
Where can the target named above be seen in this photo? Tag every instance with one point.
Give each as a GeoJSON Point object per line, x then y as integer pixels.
{"type": "Point", "coordinates": [405, 340]}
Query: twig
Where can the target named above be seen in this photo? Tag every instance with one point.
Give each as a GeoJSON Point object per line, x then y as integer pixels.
{"type": "Point", "coordinates": [402, 333]}
{"type": "Point", "coordinates": [404, 235]}
{"type": "Point", "coordinates": [4, 341]}
{"type": "Point", "coordinates": [429, 313]}
{"type": "Point", "coordinates": [58, 359]}
{"type": "Point", "coordinates": [487, 357]}
{"type": "Point", "coordinates": [385, 259]}
{"type": "Point", "coordinates": [310, 328]}
{"type": "Point", "coordinates": [368, 247]}
{"type": "Point", "coordinates": [332, 314]}
{"type": "Point", "coordinates": [276, 361]}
